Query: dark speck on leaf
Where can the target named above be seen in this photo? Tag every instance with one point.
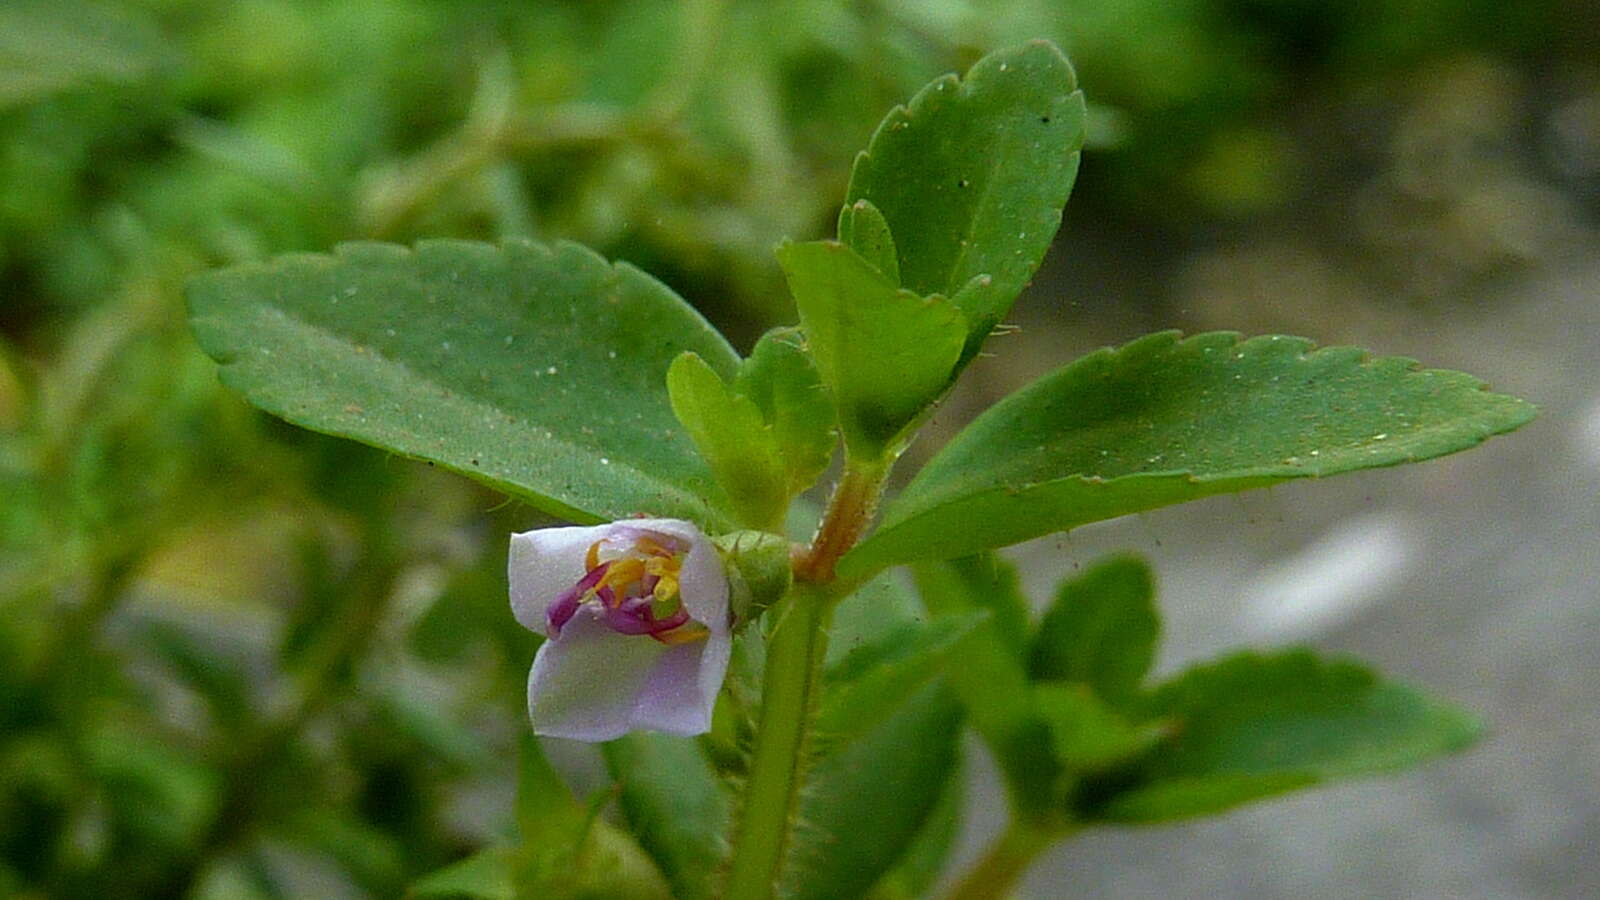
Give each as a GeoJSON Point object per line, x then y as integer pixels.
{"type": "Point", "coordinates": [1045, 119]}
{"type": "Point", "coordinates": [963, 183]}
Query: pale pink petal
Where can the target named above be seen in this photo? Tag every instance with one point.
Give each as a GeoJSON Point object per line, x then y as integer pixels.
{"type": "Point", "coordinates": [543, 565]}
{"type": "Point", "coordinates": [586, 686]}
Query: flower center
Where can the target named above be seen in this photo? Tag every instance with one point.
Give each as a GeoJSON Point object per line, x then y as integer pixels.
{"type": "Point", "coordinates": [631, 583]}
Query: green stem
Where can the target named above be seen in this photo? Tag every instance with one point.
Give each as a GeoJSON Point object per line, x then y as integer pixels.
{"type": "Point", "coordinates": [1003, 864]}
{"type": "Point", "coordinates": [850, 510]}
{"type": "Point", "coordinates": [788, 702]}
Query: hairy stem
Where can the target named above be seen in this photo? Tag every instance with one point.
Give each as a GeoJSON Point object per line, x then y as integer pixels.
{"type": "Point", "coordinates": [788, 703]}
{"type": "Point", "coordinates": [1003, 864]}
{"type": "Point", "coordinates": [850, 510]}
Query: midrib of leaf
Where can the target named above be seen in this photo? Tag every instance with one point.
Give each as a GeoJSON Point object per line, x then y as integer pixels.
{"type": "Point", "coordinates": [967, 243]}
{"type": "Point", "coordinates": [405, 378]}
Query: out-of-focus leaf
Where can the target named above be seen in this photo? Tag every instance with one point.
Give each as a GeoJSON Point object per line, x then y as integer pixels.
{"type": "Point", "coordinates": [567, 850]}
{"type": "Point", "coordinates": [885, 354]}
{"type": "Point", "coordinates": [157, 793]}
{"type": "Point", "coordinates": [864, 807]}
{"type": "Point", "coordinates": [990, 678]}
{"type": "Point", "coordinates": [925, 858]}
{"type": "Point", "coordinates": [48, 46]}
{"type": "Point", "coordinates": [971, 177]}
{"type": "Point", "coordinates": [1164, 420]}
{"type": "Point", "coordinates": [870, 683]}
{"type": "Point", "coordinates": [1101, 630]}
{"type": "Point", "coordinates": [538, 370]}
{"type": "Point", "coordinates": [371, 855]}
{"type": "Point", "coordinates": [485, 875]}
{"type": "Point", "coordinates": [990, 582]}
{"type": "Point", "coordinates": [1251, 725]}
{"type": "Point", "coordinates": [676, 806]}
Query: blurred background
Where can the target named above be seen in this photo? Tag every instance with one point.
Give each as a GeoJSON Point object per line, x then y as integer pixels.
{"type": "Point", "coordinates": [243, 660]}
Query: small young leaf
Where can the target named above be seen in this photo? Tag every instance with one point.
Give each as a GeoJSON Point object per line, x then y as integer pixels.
{"type": "Point", "coordinates": [1101, 631]}
{"type": "Point", "coordinates": [538, 370]}
{"type": "Point", "coordinates": [971, 177]}
{"type": "Point", "coordinates": [864, 688]}
{"type": "Point", "coordinates": [676, 805]}
{"type": "Point", "coordinates": [1254, 724]}
{"type": "Point", "coordinates": [781, 379]}
{"type": "Point", "coordinates": [1163, 420]}
{"type": "Point", "coordinates": [731, 435]}
{"type": "Point", "coordinates": [866, 805]}
{"type": "Point", "coordinates": [863, 229]}
{"type": "Point", "coordinates": [885, 354]}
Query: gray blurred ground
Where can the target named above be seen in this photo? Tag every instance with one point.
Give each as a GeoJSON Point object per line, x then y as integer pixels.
{"type": "Point", "coordinates": [1476, 577]}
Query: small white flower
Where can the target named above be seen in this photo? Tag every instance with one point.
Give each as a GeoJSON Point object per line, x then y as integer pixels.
{"type": "Point", "coordinates": [636, 619]}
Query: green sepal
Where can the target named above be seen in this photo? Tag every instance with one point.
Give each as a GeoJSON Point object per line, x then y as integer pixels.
{"type": "Point", "coordinates": [759, 572]}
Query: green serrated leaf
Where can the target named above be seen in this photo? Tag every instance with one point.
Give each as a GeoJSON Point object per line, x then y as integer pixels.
{"type": "Point", "coordinates": [872, 681]}
{"type": "Point", "coordinates": [675, 805]}
{"type": "Point", "coordinates": [865, 806]}
{"type": "Point", "coordinates": [485, 875]}
{"type": "Point", "coordinates": [863, 229]}
{"type": "Point", "coordinates": [782, 380]}
{"type": "Point", "coordinates": [1101, 630]}
{"type": "Point", "coordinates": [971, 177]}
{"type": "Point", "coordinates": [885, 354]}
{"type": "Point", "coordinates": [1164, 420]}
{"type": "Point", "coordinates": [538, 370]}
{"type": "Point", "coordinates": [1255, 724]}
{"type": "Point", "coordinates": [1187, 798]}
{"type": "Point", "coordinates": [732, 436]}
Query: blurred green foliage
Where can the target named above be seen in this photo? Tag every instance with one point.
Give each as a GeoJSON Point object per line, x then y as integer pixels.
{"type": "Point", "coordinates": [244, 660]}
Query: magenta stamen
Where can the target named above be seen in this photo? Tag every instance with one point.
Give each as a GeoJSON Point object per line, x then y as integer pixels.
{"type": "Point", "coordinates": [561, 611]}
{"type": "Point", "coordinates": [623, 623]}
